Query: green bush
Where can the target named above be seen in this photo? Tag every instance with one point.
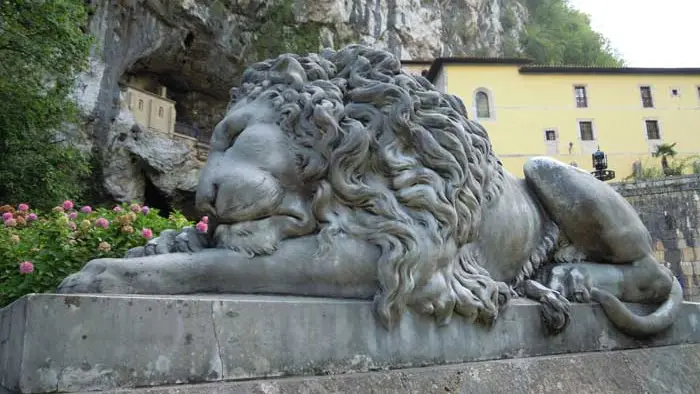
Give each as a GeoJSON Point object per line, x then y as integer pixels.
{"type": "Point", "coordinates": [38, 250]}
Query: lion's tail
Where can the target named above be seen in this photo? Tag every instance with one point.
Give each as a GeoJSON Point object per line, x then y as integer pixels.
{"type": "Point", "coordinates": [628, 322]}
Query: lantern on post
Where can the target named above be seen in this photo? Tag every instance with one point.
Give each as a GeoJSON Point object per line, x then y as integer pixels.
{"type": "Point", "coordinates": [600, 164]}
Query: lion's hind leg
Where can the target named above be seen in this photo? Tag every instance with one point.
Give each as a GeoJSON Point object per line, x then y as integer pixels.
{"type": "Point", "coordinates": [643, 281]}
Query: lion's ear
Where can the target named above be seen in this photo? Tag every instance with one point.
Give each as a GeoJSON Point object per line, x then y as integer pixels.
{"type": "Point", "coordinates": [290, 66]}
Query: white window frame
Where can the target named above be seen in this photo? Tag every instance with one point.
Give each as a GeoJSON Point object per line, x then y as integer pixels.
{"type": "Point", "coordinates": [644, 127]}
{"type": "Point", "coordinates": [492, 107]}
{"type": "Point", "coordinates": [652, 144]}
{"type": "Point", "coordinates": [671, 89]}
{"type": "Point", "coordinates": [593, 128]}
{"type": "Point", "coordinates": [587, 146]}
{"type": "Point", "coordinates": [652, 90]}
{"type": "Point", "coordinates": [588, 95]}
{"type": "Point", "coordinates": [556, 134]}
{"type": "Point", "coordinates": [551, 143]}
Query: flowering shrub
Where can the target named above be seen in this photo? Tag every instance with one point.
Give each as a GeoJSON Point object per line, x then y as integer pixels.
{"type": "Point", "coordinates": [38, 250]}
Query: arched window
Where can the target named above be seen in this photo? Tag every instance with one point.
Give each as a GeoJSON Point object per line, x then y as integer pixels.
{"type": "Point", "coordinates": [160, 112]}
{"type": "Point", "coordinates": [140, 104]}
{"type": "Point", "coordinates": [483, 109]}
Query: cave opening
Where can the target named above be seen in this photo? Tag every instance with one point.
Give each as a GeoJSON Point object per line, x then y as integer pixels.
{"type": "Point", "coordinates": [190, 77]}
{"type": "Point", "coordinates": [154, 198]}
{"type": "Point", "coordinates": [189, 39]}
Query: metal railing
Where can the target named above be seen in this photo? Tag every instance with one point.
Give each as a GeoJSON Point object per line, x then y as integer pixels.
{"type": "Point", "coordinates": [192, 132]}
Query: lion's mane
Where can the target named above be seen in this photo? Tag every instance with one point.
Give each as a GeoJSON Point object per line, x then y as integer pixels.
{"type": "Point", "coordinates": [386, 155]}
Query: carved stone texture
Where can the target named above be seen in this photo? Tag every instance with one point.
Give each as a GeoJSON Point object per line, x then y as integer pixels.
{"type": "Point", "coordinates": [85, 343]}
{"type": "Point", "coordinates": [338, 174]}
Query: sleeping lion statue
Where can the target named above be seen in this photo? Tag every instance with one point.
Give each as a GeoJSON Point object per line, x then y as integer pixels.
{"type": "Point", "coordinates": [338, 174]}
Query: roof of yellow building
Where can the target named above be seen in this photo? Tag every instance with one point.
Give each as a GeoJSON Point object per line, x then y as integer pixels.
{"type": "Point", "coordinates": [551, 69]}
{"type": "Point", "coordinates": [417, 61]}
{"type": "Point", "coordinates": [526, 66]}
{"type": "Point", "coordinates": [437, 64]}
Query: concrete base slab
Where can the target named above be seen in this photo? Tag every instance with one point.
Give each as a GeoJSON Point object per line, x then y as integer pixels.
{"type": "Point", "coordinates": [662, 370]}
{"type": "Point", "coordinates": [75, 343]}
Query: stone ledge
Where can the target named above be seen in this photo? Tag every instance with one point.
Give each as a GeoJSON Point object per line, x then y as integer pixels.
{"type": "Point", "coordinates": [669, 369]}
{"type": "Point", "coordinates": [73, 343]}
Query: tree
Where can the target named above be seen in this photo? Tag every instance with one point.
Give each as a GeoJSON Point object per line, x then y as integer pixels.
{"type": "Point", "coordinates": [664, 151]}
{"type": "Point", "coordinates": [559, 34]}
{"type": "Point", "coordinates": [43, 47]}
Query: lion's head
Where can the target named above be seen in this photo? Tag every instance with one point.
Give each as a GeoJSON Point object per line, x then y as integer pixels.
{"type": "Point", "coordinates": [347, 143]}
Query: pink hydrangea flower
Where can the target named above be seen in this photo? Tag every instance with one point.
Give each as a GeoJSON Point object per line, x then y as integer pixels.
{"type": "Point", "coordinates": [10, 223]}
{"type": "Point", "coordinates": [102, 222]}
{"type": "Point", "coordinates": [26, 267]}
{"type": "Point", "coordinates": [135, 208]}
{"type": "Point", "coordinates": [23, 207]}
{"type": "Point", "coordinates": [202, 227]}
{"type": "Point", "coordinates": [145, 210]}
{"type": "Point", "coordinates": [86, 209]}
{"type": "Point", "coordinates": [32, 217]}
{"type": "Point", "coordinates": [147, 233]}
{"type": "Point", "coordinates": [68, 205]}
{"type": "Point", "coordinates": [117, 209]}
{"type": "Point", "coordinates": [6, 216]}
{"type": "Point", "coordinates": [205, 219]}
{"type": "Point", "coordinates": [73, 215]}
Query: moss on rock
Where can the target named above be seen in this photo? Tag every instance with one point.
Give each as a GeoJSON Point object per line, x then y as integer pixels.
{"type": "Point", "coordinates": [279, 32]}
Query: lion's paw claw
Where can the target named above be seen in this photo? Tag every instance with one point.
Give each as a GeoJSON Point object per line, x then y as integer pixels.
{"type": "Point", "coordinates": [555, 311]}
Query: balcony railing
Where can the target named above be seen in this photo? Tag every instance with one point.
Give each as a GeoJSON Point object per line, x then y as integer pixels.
{"type": "Point", "coordinates": [192, 132]}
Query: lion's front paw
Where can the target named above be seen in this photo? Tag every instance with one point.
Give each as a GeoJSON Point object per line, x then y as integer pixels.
{"type": "Point", "coordinates": [259, 237]}
{"type": "Point", "coordinates": [188, 240]}
{"type": "Point", "coordinates": [95, 277]}
{"type": "Point", "coordinates": [555, 311]}
{"type": "Point", "coordinates": [440, 306]}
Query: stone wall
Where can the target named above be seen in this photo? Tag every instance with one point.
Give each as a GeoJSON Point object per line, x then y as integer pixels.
{"type": "Point", "coordinates": [87, 343]}
{"type": "Point", "coordinates": [670, 208]}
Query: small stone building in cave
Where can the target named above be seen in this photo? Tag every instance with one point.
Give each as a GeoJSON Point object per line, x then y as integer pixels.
{"type": "Point", "coordinates": [149, 103]}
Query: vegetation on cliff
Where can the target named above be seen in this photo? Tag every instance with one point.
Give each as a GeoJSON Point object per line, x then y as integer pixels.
{"type": "Point", "coordinates": [43, 46]}
{"type": "Point", "coordinates": [555, 33]}
{"type": "Point", "coordinates": [278, 32]}
{"type": "Point", "coordinates": [558, 34]}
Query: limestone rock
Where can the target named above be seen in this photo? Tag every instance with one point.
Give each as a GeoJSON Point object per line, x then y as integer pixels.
{"type": "Point", "coordinates": [198, 49]}
{"type": "Point", "coordinates": [138, 154]}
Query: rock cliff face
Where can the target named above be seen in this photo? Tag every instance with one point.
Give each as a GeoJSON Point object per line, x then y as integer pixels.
{"type": "Point", "coordinates": [198, 49]}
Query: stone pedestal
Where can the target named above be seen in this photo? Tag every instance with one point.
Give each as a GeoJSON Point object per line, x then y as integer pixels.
{"type": "Point", "coordinates": [662, 370]}
{"type": "Point", "coordinates": [70, 343]}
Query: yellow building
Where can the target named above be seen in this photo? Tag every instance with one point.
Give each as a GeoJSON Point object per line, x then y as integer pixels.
{"type": "Point", "coordinates": [416, 66]}
{"type": "Point", "coordinates": [568, 112]}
